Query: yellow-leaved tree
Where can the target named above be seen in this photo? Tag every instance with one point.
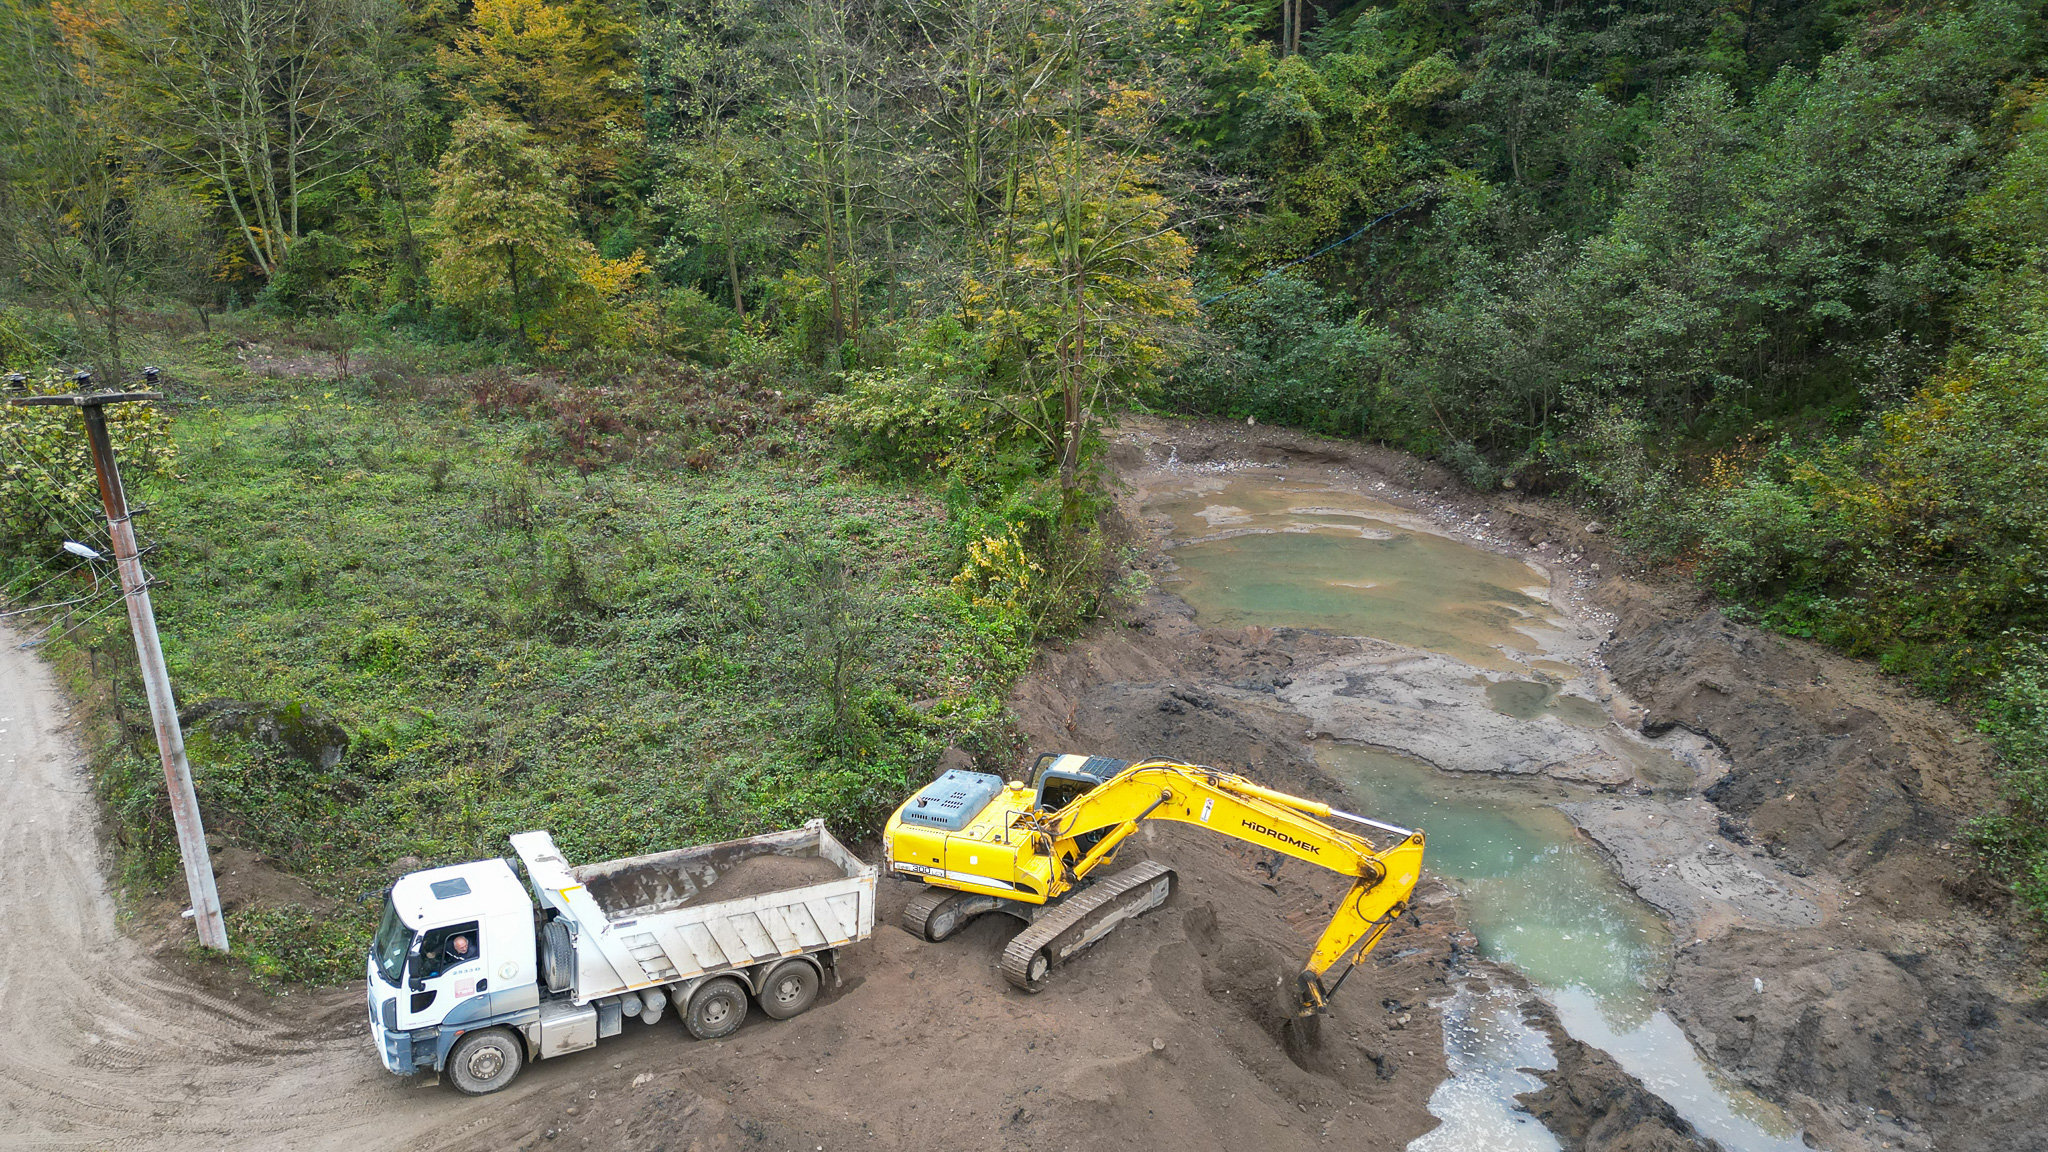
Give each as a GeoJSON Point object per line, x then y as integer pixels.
{"type": "Point", "coordinates": [505, 249]}
{"type": "Point", "coordinates": [567, 71]}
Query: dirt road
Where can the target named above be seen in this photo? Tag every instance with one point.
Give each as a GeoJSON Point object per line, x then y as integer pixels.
{"type": "Point", "coordinates": [106, 1045]}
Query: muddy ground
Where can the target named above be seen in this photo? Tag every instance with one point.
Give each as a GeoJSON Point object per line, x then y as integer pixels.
{"type": "Point", "coordinates": [1822, 862]}
{"type": "Point", "coordinates": [1168, 1035]}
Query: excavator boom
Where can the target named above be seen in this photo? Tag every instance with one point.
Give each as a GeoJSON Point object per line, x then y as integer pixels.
{"type": "Point", "coordinates": [1034, 853]}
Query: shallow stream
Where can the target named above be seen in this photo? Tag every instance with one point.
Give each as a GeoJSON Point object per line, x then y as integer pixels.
{"type": "Point", "coordinates": [1263, 550]}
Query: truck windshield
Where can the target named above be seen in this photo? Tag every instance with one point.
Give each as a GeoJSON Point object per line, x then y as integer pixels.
{"type": "Point", "coordinates": [392, 942]}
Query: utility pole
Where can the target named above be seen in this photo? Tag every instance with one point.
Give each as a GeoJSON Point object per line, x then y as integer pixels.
{"type": "Point", "coordinates": [149, 653]}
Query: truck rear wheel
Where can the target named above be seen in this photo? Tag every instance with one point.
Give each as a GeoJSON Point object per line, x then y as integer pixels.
{"type": "Point", "coordinates": [485, 1061]}
{"type": "Point", "coordinates": [717, 1009]}
{"type": "Point", "coordinates": [790, 990]}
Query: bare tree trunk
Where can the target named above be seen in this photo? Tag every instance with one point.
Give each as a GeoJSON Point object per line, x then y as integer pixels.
{"type": "Point", "coordinates": [732, 273]}
{"type": "Point", "coordinates": [1073, 412]}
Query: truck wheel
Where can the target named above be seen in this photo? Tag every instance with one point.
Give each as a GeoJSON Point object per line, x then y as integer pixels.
{"type": "Point", "coordinates": [790, 990]}
{"type": "Point", "coordinates": [716, 1010]}
{"type": "Point", "coordinates": [485, 1061]}
{"type": "Point", "coordinates": [558, 956]}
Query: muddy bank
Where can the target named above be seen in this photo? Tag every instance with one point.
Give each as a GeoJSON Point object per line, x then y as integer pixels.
{"type": "Point", "coordinates": [1888, 1008]}
{"type": "Point", "coordinates": [1589, 1102]}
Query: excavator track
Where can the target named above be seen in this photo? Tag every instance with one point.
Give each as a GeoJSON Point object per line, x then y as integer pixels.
{"type": "Point", "coordinates": [1081, 919]}
{"type": "Point", "coordinates": [918, 913]}
{"type": "Point", "coordinates": [937, 913]}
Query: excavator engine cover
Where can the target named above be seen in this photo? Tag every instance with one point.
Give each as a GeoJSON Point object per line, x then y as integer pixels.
{"type": "Point", "coordinates": [952, 800]}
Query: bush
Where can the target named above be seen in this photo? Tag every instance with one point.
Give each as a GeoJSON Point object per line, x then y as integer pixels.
{"type": "Point", "coordinates": [2014, 843]}
{"type": "Point", "coordinates": [293, 944]}
{"type": "Point", "coordinates": [1761, 537]}
{"type": "Point", "coordinates": [314, 278]}
{"type": "Point", "coordinates": [1285, 351]}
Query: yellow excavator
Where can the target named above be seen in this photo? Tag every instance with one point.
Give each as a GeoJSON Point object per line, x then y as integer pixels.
{"type": "Point", "coordinates": [1034, 850]}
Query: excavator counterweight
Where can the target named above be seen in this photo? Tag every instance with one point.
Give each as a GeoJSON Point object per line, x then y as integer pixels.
{"type": "Point", "coordinates": [1041, 853]}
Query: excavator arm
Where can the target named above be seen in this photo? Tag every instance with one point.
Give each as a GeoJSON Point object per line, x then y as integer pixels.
{"type": "Point", "coordinates": [1382, 879]}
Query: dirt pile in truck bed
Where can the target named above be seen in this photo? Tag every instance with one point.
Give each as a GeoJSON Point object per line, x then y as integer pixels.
{"type": "Point", "coordinates": [760, 875]}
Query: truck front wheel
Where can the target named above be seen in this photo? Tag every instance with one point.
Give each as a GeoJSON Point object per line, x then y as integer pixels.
{"type": "Point", "coordinates": [716, 1010]}
{"type": "Point", "coordinates": [485, 1061]}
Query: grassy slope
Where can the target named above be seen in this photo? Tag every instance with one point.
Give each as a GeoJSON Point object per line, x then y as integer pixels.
{"type": "Point", "coordinates": [632, 659]}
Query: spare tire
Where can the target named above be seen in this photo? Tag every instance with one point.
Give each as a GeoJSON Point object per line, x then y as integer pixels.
{"type": "Point", "coordinates": [558, 956]}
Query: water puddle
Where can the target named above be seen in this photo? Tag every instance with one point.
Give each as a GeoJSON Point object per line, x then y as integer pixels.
{"type": "Point", "coordinates": [1266, 551]}
{"type": "Point", "coordinates": [1263, 551]}
{"type": "Point", "coordinates": [1487, 1048]}
{"type": "Point", "coordinates": [1540, 896]}
{"type": "Point", "coordinates": [1528, 699]}
{"type": "Point", "coordinates": [1657, 1053]}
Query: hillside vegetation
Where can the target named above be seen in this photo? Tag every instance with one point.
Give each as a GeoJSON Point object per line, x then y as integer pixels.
{"type": "Point", "coordinates": [599, 330]}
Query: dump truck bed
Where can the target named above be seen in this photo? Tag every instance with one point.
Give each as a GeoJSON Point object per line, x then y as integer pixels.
{"type": "Point", "coordinates": [659, 919]}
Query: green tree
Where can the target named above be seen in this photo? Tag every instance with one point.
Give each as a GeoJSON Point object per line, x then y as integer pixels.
{"type": "Point", "coordinates": [1103, 266]}
{"type": "Point", "coordinates": [718, 173]}
{"type": "Point", "coordinates": [265, 102]}
{"type": "Point", "coordinates": [67, 185]}
{"type": "Point", "coordinates": [504, 240]}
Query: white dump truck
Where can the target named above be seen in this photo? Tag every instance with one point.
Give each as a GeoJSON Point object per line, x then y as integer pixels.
{"type": "Point", "coordinates": [471, 976]}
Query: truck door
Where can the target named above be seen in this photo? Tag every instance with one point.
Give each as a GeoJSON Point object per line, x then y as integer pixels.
{"type": "Point", "coordinates": [445, 968]}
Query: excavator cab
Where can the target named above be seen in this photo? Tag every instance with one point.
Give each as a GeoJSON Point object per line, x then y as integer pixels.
{"type": "Point", "coordinates": [1056, 790]}
{"type": "Point", "coordinates": [1065, 779]}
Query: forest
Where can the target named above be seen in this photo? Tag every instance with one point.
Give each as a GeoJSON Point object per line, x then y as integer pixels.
{"type": "Point", "coordinates": [1762, 282]}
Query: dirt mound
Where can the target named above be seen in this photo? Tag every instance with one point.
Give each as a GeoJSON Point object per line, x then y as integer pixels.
{"type": "Point", "coordinates": [1224, 956]}
{"type": "Point", "coordinates": [249, 880]}
{"type": "Point", "coordinates": [759, 875]}
{"type": "Point", "coordinates": [1589, 1102]}
{"type": "Point", "coordinates": [1887, 1019]}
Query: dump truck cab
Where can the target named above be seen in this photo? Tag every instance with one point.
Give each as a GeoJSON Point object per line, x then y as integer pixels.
{"type": "Point", "coordinates": [453, 952]}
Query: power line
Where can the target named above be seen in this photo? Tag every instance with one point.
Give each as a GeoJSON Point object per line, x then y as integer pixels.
{"type": "Point", "coordinates": [96, 614]}
{"type": "Point", "coordinates": [12, 592]}
{"type": "Point", "coordinates": [43, 465]}
{"type": "Point", "coordinates": [50, 607]}
{"type": "Point", "coordinates": [78, 524]}
{"type": "Point", "coordinates": [46, 583]}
